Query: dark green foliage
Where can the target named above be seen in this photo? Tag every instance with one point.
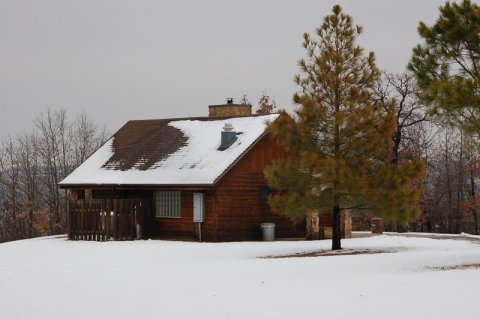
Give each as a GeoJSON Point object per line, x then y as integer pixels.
{"type": "Point", "coordinates": [340, 142]}
{"type": "Point", "coordinates": [446, 65]}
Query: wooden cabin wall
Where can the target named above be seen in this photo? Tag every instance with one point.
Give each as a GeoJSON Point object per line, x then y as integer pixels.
{"type": "Point", "coordinates": [239, 208]}
{"type": "Point", "coordinates": [184, 227]}
{"type": "Point", "coordinates": [178, 228]}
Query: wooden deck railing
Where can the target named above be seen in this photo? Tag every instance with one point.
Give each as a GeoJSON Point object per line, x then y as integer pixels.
{"type": "Point", "coordinates": [117, 219]}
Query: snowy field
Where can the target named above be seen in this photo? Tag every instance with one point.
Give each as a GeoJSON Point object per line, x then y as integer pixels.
{"type": "Point", "coordinates": [54, 278]}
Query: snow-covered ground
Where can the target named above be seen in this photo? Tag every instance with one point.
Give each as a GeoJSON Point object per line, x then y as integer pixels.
{"type": "Point", "coordinates": [55, 278]}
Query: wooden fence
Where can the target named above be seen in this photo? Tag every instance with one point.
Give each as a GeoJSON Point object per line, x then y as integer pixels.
{"type": "Point", "coordinates": [117, 219]}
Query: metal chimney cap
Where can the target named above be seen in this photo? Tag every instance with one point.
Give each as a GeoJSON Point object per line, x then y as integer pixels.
{"type": "Point", "coordinates": [228, 127]}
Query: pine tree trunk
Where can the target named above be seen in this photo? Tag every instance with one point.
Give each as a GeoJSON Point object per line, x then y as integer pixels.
{"type": "Point", "coordinates": [336, 231]}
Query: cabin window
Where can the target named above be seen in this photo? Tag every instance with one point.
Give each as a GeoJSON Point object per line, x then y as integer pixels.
{"type": "Point", "coordinates": [167, 204]}
{"type": "Point", "coordinates": [263, 193]}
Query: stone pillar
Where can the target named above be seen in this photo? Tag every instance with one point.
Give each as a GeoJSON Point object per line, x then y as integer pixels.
{"type": "Point", "coordinates": [312, 226]}
{"type": "Point", "coordinates": [346, 220]}
{"type": "Point", "coordinates": [315, 231]}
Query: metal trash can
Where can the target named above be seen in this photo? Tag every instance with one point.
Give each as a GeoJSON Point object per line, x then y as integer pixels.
{"type": "Point", "coordinates": [268, 231]}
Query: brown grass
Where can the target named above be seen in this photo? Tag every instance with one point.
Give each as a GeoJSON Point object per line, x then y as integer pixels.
{"type": "Point", "coordinates": [329, 253]}
{"type": "Point", "coordinates": [456, 267]}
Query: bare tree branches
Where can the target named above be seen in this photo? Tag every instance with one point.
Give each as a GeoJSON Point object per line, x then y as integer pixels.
{"type": "Point", "coordinates": [31, 165]}
{"type": "Point", "coordinates": [399, 90]}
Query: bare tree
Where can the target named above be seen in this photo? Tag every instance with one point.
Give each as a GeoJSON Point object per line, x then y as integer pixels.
{"type": "Point", "coordinates": [399, 89]}
{"type": "Point", "coordinates": [86, 138]}
{"type": "Point", "coordinates": [244, 100]}
{"type": "Point", "coordinates": [52, 146]}
{"type": "Point", "coordinates": [10, 190]}
{"type": "Point", "coordinates": [31, 165]}
{"type": "Point", "coordinates": [28, 160]}
{"type": "Point", "coordinates": [266, 105]}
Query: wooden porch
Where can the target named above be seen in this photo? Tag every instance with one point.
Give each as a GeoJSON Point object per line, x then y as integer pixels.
{"type": "Point", "coordinates": [111, 219]}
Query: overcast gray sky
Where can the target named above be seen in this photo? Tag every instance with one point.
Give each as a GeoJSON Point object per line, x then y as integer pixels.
{"type": "Point", "coordinates": [125, 59]}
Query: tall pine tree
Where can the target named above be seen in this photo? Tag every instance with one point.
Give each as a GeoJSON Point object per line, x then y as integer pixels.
{"type": "Point", "coordinates": [340, 142]}
{"type": "Point", "coordinates": [447, 66]}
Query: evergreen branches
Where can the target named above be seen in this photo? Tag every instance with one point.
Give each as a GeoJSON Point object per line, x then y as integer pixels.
{"type": "Point", "coordinates": [446, 66]}
{"type": "Point", "coordinates": [340, 143]}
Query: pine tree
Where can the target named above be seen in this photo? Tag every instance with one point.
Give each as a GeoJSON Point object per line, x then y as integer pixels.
{"type": "Point", "coordinates": [340, 143]}
{"type": "Point", "coordinates": [447, 65]}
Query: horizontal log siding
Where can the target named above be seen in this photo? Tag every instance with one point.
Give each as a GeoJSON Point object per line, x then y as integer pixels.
{"type": "Point", "coordinates": [240, 212]}
{"type": "Point", "coordinates": [184, 227]}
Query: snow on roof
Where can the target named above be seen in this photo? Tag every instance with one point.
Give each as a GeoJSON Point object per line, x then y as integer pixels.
{"type": "Point", "coordinates": [196, 161]}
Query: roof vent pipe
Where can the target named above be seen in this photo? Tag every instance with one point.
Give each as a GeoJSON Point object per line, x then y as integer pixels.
{"type": "Point", "coordinates": [228, 127]}
{"type": "Point", "coordinates": [229, 136]}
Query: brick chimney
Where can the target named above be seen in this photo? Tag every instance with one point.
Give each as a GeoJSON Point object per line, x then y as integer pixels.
{"type": "Point", "coordinates": [229, 109]}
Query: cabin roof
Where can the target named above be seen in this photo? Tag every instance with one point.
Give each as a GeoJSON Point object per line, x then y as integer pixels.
{"type": "Point", "coordinates": [169, 152]}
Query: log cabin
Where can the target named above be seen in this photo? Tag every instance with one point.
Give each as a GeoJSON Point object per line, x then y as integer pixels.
{"type": "Point", "coordinates": [187, 178]}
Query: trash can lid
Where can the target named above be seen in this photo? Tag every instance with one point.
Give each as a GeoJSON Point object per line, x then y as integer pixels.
{"type": "Point", "coordinates": [267, 224]}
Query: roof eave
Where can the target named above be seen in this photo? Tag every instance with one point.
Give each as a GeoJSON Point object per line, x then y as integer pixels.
{"type": "Point", "coordinates": [142, 186]}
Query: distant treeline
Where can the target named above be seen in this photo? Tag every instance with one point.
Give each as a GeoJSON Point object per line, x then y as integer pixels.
{"type": "Point", "coordinates": [32, 165]}
{"type": "Point", "coordinates": [450, 200]}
